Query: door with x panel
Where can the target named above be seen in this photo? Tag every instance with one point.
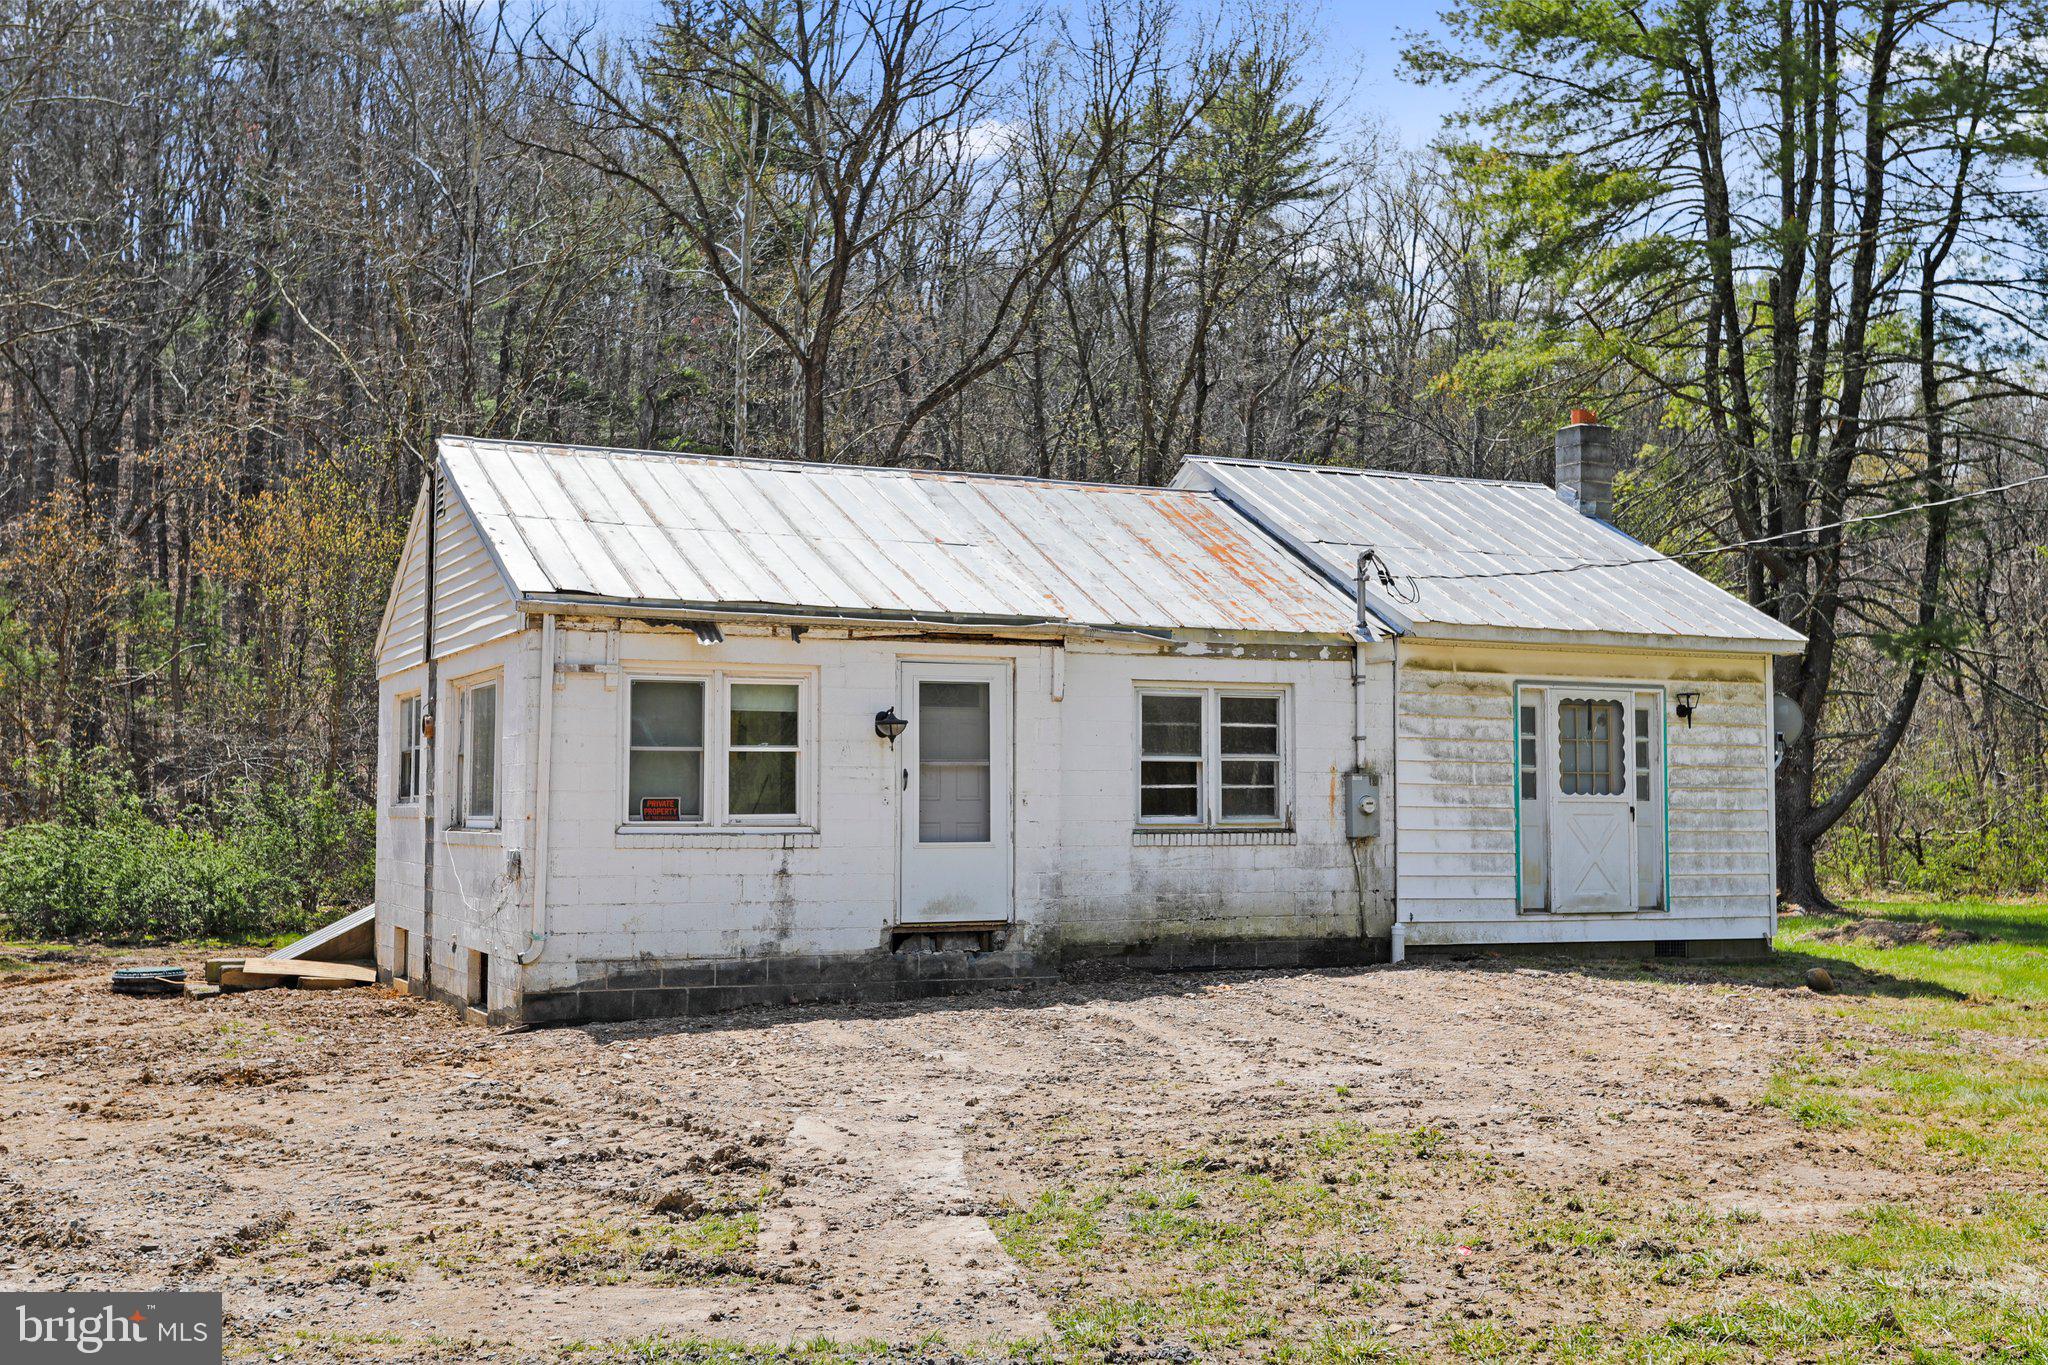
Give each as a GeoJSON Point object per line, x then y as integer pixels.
{"type": "Point", "coordinates": [1592, 805]}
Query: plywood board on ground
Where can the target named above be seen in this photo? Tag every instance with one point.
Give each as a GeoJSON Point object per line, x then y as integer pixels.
{"type": "Point", "coordinates": [327, 971]}
{"type": "Point", "coordinates": [348, 939]}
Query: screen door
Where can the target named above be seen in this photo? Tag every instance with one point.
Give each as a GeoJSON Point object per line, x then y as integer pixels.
{"type": "Point", "coordinates": [1592, 803]}
{"type": "Point", "coordinates": [956, 787]}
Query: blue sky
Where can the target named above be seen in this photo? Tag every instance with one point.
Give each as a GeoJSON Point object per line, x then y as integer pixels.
{"type": "Point", "coordinates": [1360, 62]}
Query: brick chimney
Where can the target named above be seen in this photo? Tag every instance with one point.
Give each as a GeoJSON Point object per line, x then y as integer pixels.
{"type": "Point", "coordinates": [1585, 465]}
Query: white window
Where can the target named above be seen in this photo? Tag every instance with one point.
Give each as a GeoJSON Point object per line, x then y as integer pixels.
{"type": "Point", "coordinates": [665, 751]}
{"type": "Point", "coordinates": [1650, 800]}
{"type": "Point", "coordinates": [1533, 828]}
{"type": "Point", "coordinates": [476, 757]}
{"type": "Point", "coordinates": [764, 724]}
{"type": "Point", "coordinates": [954, 762]}
{"type": "Point", "coordinates": [1170, 751]}
{"type": "Point", "coordinates": [405, 738]}
{"type": "Point", "coordinates": [719, 749]}
{"type": "Point", "coordinates": [1590, 760]}
{"type": "Point", "coordinates": [1211, 756]}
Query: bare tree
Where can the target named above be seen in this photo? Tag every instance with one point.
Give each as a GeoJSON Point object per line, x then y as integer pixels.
{"type": "Point", "coordinates": [789, 144]}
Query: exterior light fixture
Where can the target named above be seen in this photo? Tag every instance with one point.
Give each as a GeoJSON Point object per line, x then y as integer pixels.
{"type": "Point", "coordinates": [889, 725]}
{"type": "Point", "coordinates": [1688, 702]}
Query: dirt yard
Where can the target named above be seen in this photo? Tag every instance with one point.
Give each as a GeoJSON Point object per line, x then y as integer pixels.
{"type": "Point", "coordinates": [1140, 1168]}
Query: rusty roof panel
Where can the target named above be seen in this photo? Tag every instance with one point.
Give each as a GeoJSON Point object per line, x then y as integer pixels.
{"type": "Point", "coordinates": [648, 527]}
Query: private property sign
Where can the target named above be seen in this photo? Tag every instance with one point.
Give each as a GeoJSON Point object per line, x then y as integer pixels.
{"type": "Point", "coordinates": [120, 1329]}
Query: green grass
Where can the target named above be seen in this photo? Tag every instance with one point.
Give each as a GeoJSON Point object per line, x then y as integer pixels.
{"type": "Point", "coordinates": [1226, 1249]}
{"type": "Point", "coordinates": [602, 1251]}
{"type": "Point", "coordinates": [1901, 1286]}
{"type": "Point", "coordinates": [29, 957]}
{"type": "Point", "coordinates": [719, 1351]}
{"type": "Point", "coordinates": [1998, 983]}
{"type": "Point", "coordinates": [1955, 1077]}
{"type": "Point", "coordinates": [1905, 1287]}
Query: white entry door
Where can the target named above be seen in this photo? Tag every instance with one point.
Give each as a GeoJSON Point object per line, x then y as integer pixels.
{"type": "Point", "coordinates": [956, 794]}
{"type": "Point", "coordinates": [1592, 810]}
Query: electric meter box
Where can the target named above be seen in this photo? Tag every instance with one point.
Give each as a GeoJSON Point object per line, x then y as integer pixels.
{"type": "Point", "coordinates": [1362, 805]}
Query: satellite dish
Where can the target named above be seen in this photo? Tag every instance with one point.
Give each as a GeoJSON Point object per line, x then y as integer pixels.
{"type": "Point", "coordinates": [1788, 723]}
{"type": "Point", "coordinates": [1787, 719]}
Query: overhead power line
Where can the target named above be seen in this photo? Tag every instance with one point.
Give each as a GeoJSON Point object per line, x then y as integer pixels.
{"type": "Point", "coordinates": [1886, 515]}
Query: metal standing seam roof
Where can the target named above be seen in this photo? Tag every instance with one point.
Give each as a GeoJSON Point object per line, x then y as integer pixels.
{"type": "Point", "coordinates": [719, 533]}
{"type": "Point", "coordinates": [1470, 546]}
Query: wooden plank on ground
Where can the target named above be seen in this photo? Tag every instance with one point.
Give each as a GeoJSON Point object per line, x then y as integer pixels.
{"type": "Point", "coordinates": [216, 965]}
{"type": "Point", "coordinates": [234, 978]}
{"type": "Point", "coordinates": [326, 971]}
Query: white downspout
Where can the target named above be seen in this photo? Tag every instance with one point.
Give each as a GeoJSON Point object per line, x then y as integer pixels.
{"type": "Point", "coordinates": [543, 787]}
{"type": "Point", "coordinates": [1397, 938]}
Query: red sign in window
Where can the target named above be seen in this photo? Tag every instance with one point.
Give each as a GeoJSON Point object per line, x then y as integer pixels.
{"type": "Point", "coordinates": [661, 808]}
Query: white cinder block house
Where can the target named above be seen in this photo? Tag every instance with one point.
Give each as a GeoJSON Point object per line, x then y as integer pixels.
{"type": "Point", "coordinates": [689, 733]}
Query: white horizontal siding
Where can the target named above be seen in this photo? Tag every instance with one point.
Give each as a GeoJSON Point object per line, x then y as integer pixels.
{"type": "Point", "coordinates": [1454, 737]}
{"type": "Point", "coordinates": [475, 605]}
{"type": "Point", "coordinates": [1454, 750]}
{"type": "Point", "coordinates": [1720, 779]}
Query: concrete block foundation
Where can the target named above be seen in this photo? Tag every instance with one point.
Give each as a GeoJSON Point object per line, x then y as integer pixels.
{"type": "Point", "coordinates": [618, 991]}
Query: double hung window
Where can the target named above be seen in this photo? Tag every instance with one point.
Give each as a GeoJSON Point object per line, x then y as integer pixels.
{"type": "Point", "coordinates": [1211, 757]}
{"type": "Point", "coordinates": [406, 741]}
{"type": "Point", "coordinates": [718, 749]}
{"type": "Point", "coordinates": [476, 757]}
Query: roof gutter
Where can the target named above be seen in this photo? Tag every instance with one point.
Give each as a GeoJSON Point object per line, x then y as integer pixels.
{"type": "Point", "coordinates": [683, 613]}
{"type": "Point", "coordinates": [1600, 639]}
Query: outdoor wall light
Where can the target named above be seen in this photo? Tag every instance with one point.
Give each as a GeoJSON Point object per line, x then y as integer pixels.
{"type": "Point", "coordinates": [889, 725]}
{"type": "Point", "coordinates": [1688, 702]}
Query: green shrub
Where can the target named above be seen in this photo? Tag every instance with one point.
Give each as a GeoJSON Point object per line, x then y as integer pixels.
{"type": "Point", "coordinates": [271, 861]}
{"type": "Point", "coordinates": [1965, 853]}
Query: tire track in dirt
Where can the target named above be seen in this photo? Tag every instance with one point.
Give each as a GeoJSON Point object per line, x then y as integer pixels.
{"type": "Point", "coordinates": [874, 1142]}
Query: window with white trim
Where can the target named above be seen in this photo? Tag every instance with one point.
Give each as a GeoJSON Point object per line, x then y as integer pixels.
{"type": "Point", "coordinates": [1211, 757]}
{"type": "Point", "coordinates": [410, 747]}
{"type": "Point", "coordinates": [716, 749]}
{"type": "Point", "coordinates": [1533, 812]}
{"type": "Point", "coordinates": [955, 764]}
{"type": "Point", "coordinates": [665, 750]}
{"type": "Point", "coordinates": [765, 723]}
{"type": "Point", "coordinates": [1651, 800]}
{"type": "Point", "coordinates": [476, 756]}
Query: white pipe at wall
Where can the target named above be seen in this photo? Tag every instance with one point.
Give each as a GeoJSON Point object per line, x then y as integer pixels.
{"type": "Point", "coordinates": [430, 729]}
{"type": "Point", "coordinates": [543, 785]}
{"type": "Point", "coordinates": [1397, 940]}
